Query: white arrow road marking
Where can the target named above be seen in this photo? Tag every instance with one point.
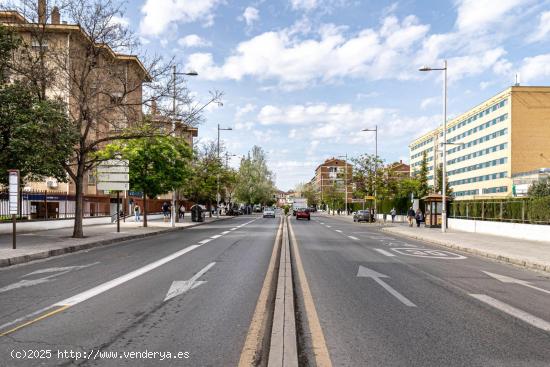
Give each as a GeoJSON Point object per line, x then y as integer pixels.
{"type": "Point", "coordinates": [181, 286]}
{"type": "Point", "coordinates": [506, 279]}
{"type": "Point", "coordinates": [30, 282]}
{"type": "Point", "coordinates": [354, 238]}
{"type": "Point", "coordinates": [516, 312]}
{"type": "Point", "coordinates": [369, 273]}
{"type": "Point", "coordinates": [383, 252]}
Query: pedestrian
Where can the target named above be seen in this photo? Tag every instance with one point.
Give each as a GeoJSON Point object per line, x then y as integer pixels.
{"type": "Point", "coordinates": [137, 213]}
{"type": "Point", "coordinates": [393, 213]}
{"type": "Point", "coordinates": [410, 216]}
{"type": "Point", "coordinates": [419, 217]}
{"type": "Point", "coordinates": [182, 211]}
{"type": "Point", "coordinates": [165, 208]}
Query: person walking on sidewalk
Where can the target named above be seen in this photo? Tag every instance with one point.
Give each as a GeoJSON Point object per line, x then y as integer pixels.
{"type": "Point", "coordinates": [393, 213]}
{"type": "Point", "coordinates": [182, 211]}
{"type": "Point", "coordinates": [165, 209]}
{"type": "Point", "coordinates": [419, 217]}
{"type": "Point", "coordinates": [137, 213]}
{"type": "Point", "coordinates": [410, 216]}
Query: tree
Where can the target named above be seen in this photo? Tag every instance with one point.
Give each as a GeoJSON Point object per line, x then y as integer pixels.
{"type": "Point", "coordinates": [422, 177]}
{"type": "Point", "coordinates": [104, 94]}
{"type": "Point", "coordinates": [539, 189]}
{"type": "Point", "coordinates": [368, 174]}
{"type": "Point", "coordinates": [157, 165]}
{"type": "Point", "coordinates": [307, 191]}
{"type": "Point", "coordinates": [255, 180]}
{"type": "Point", "coordinates": [439, 182]}
{"type": "Point", "coordinates": [35, 135]}
{"type": "Point", "coordinates": [334, 197]}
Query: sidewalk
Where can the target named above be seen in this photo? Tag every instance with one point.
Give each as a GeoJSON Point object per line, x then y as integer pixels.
{"type": "Point", "coordinates": [42, 244]}
{"type": "Point", "coordinates": [529, 254]}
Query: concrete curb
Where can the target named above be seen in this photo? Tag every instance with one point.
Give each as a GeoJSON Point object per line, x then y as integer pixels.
{"type": "Point", "coordinates": [449, 244]}
{"type": "Point", "coordinates": [65, 250]}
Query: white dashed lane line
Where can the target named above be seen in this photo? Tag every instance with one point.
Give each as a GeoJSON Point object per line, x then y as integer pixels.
{"type": "Point", "coordinates": [354, 238]}
{"type": "Point", "coordinates": [384, 252]}
{"type": "Point", "coordinates": [337, 230]}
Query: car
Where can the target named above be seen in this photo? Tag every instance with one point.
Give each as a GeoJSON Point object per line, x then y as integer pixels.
{"type": "Point", "coordinates": [312, 209]}
{"type": "Point", "coordinates": [302, 214]}
{"type": "Point", "coordinates": [362, 216]}
{"type": "Point", "coordinates": [269, 213]}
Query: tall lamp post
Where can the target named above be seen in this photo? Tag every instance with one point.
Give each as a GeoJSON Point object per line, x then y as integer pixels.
{"type": "Point", "coordinates": [174, 97]}
{"type": "Point", "coordinates": [375, 166]}
{"type": "Point", "coordinates": [218, 189]}
{"type": "Point", "coordinates": [444, 167]}
{"type": "Point", "coordinates": [345, 156]}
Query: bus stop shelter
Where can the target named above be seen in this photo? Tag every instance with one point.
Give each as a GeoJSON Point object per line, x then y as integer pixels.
{"type": "Point", "coordinates": [433, 208]}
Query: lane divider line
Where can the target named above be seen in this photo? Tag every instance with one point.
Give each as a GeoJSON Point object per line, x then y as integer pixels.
{"type": "Point", "coordinates": [354, 238]}
{"type": "Point", "coordinates": [205, 241]}
{"type": "Point", "coordinates": [337, 230]}
{"type": "Point", "coordinates": [215, 236]}
{"type": "Point", "coordinates": [51, 313]}
{"type": "Point", "coordinates": [384, 252]}
{"type": "Point", "coordinates": [512, 311]}
{"type": "Point", "coordinates": [321, 354]}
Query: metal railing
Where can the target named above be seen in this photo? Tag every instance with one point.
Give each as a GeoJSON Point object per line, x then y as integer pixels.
{"type": "Point", "coordinates": [505, 210]}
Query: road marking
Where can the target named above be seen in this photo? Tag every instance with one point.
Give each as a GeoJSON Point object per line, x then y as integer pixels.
{"type": "Point", "coordinates": [369, 273]}
{"type": "Point", "coordinates": [56, 270]}
{"type": "Point", "coordinates": [215, 236]}
{"type": "Point", "coordinates": [51, 313]}
{"type": "Point", "coordinates": [428, 253]}
{"type": "Point", "coordinates": [225, 232]}
{"type": "Point", "coordinates": [506, 279]}
{"type": "Point", "coordinates": [205, 241]}
{"type": "Point", "coordinates": [354, 238]}
{"type": "Point", "coordinates": [179, 287]}
{"type": "Point", "coordinates": [233, 229]}
{"type": "Point", "coordinates": [337, 230]}
{"type": "Point", "coordinates": [319, 345]}
{"type": "Point", "coordinates": [122, 279]}
{"type": "Point", "coordinates": [512, 311]}
{"type": "Point", "coordinates": [321, 222]}
{"type": "Point", "coordinates": [254, 337]}
{"type": "Point", "coordinates": [328, 226]}
{"type": "Point", "coordinates": [384, 252]}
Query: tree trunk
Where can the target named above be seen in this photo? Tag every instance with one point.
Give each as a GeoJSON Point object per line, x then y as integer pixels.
{"type": "Point", "coordinates": [79, 204]}
{"type": "Point", "coordinates": [144, 209]}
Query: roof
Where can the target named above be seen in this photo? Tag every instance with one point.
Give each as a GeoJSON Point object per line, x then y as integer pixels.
{"type": "Point", "coordinates": [330, 161]}
{"type": "Point", "coordinates": [15, 20]}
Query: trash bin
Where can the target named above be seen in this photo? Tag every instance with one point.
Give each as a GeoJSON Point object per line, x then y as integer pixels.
{"type": "Point", "coordinates": [197, 213]}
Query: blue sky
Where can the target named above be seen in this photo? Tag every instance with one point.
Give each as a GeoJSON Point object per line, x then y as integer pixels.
{"type": "Point", "coordinates": [301, 78]}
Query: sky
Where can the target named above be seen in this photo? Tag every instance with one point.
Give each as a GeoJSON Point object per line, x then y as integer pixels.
{"type": "Point", "coordinates": [302, 78]}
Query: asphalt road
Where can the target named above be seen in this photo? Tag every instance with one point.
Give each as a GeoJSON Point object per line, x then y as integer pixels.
{"type": "Point", "coordinates": [433, 307]}
{"type": "Point", "coordinates": [113, 299]}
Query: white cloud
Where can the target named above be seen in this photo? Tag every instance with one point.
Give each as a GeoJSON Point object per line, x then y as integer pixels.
{"type": "Point", "coordinates": [426, 102]}
{"type": "Point", "coordinates": [475, 15]}
{"type": "Point", "coordinates": [535, 68]}
{"type": "Point", "coordinates": [304, 4]}
{"type": "Point", "coordinates": [123, 21]}
{"type": "Point", "coordinates": [543, 30]}
{"type": "Point", "coordinates": [158, 14]}
{"type": "Point", "coordinates": [251, 15]}
{"type": "Point", "coordinates": [242, 111]}
{"type": "Point", "coordinates": [193, 40]}
{"type": "Point", "coordinates": [329, 55]}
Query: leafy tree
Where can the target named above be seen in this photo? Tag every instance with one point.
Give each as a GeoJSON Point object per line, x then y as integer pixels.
{"type": "Point", "coordinates": [255, 180]}
{"type": "Point", "coordinates": [36, 136]}
{"type": "Point", "coordinates": [368, 174]}
{"type": "Point", "coordinates": [309, 193]}
{"type": "Point", "coordinates": [422, 177]}
{"type": "Point", "coordinates": [439, 182]}
{"type": "Point", "coordinates": [157, 165]}
{"type": "Point", "coordinates": [334, 197]}
{"type": "Point", "coordinates": [539, 189]}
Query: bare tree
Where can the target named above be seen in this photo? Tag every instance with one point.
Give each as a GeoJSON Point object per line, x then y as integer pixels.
{"type": "Point", "coordinates": [89, 64]}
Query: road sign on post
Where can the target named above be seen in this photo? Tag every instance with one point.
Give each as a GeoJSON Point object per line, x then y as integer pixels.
{"type": "Point", "coordinates": [14, 201]}
{"type": "Point", "coordinates": [113, 175]}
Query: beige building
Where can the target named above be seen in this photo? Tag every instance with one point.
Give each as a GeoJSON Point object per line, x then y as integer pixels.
{"type": "Point", "coordinates": [507, 134]}
{"type": "Point", "coordinates": [332, 173]}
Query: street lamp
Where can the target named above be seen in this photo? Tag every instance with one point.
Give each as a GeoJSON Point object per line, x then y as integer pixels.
{"type": "Point", "coordinates": [173, 218]}
{"type": "Point", "coordinates": [218, 190]}
{"type": "Point", "coordinates": [375, 166]}
{"type": "Point", "coordinates": [346, 179]}
{"type": "Point", "coordinates": [444, 169]}
{"type": "Point", "coordinates": [227, 155]}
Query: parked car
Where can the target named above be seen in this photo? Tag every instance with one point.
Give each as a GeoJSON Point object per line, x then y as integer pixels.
{"type": "Point", "coordinates": [302, 214]}
{"type": "Point", "coordinates": [269, 213]}
{"type": "Point", "coordinates": [362, 216]}
{"type": "Point", "coordinates": [312, 209]}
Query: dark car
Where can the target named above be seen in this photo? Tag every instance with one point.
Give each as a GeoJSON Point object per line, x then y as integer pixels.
{"type": "Point", "coordinates": [302, 214]}
{"type": "Point", "coordinates": [362, 216]}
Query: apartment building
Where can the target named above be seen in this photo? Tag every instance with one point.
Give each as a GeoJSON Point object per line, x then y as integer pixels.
{"type": "Point", "coordinates": [507, 134]}
{"type": "Point", "coordinates": [330, 173]}
{"type": "Point", "coordinates": [117, 77]}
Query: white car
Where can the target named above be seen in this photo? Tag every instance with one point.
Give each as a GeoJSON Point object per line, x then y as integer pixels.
{"type": "Point", "coordinates": [269, 213]}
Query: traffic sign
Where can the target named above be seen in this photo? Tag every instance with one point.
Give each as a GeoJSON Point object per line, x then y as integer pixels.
{"type": "Point", "coordinates": [113, 186]}
{"type": "Point", "coordinates": [357, 200]}
{"type": "Point", "coordinates": [14, 191]}
{"type": "Point", "coordinates": [113, 177]}
{"type": "Point", "coordinates": [113, 169]}
{"type": "Point", "coordinates": [369, 197]}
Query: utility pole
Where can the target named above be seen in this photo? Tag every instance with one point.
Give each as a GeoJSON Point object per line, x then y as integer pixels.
{"type": "Point", "coordinates": [218, 178]}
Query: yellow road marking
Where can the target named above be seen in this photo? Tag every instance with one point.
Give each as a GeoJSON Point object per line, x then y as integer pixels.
{"type": "Point", "coordinates": [320, 351]}
{"type": "Point", "coordinates": [51, 313]}
{"type": "Point", "coordinates": [255, 335]}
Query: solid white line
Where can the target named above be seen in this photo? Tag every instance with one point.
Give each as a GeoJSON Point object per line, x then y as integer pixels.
{"type": "Point", "coordinates": [215, 236]}
{"type": "Point", "coordinates": [337, 230]}
{"type": "Point", "coordinates": [354, 238]}
{"type": "Point", "coordinates": [205, 241]}
{"type": "Point", "coordinates": [384, 252]}
{"type": "Point", "coordinates": [510, 310]}
{"type": "Point", "coordinates": [122, 279]}
{"type": "Point", "coordinates": [394, 293]}
{"type": "Point", "coordinates": [233, 229]}
{"type": "Point", "coordinates": [225, 232]}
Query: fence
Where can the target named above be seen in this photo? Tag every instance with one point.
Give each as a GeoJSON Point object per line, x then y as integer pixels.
{"type": "Point", "coordinates": [528, 210]}
{"type": "Point", "coordinates": [42, 205]}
